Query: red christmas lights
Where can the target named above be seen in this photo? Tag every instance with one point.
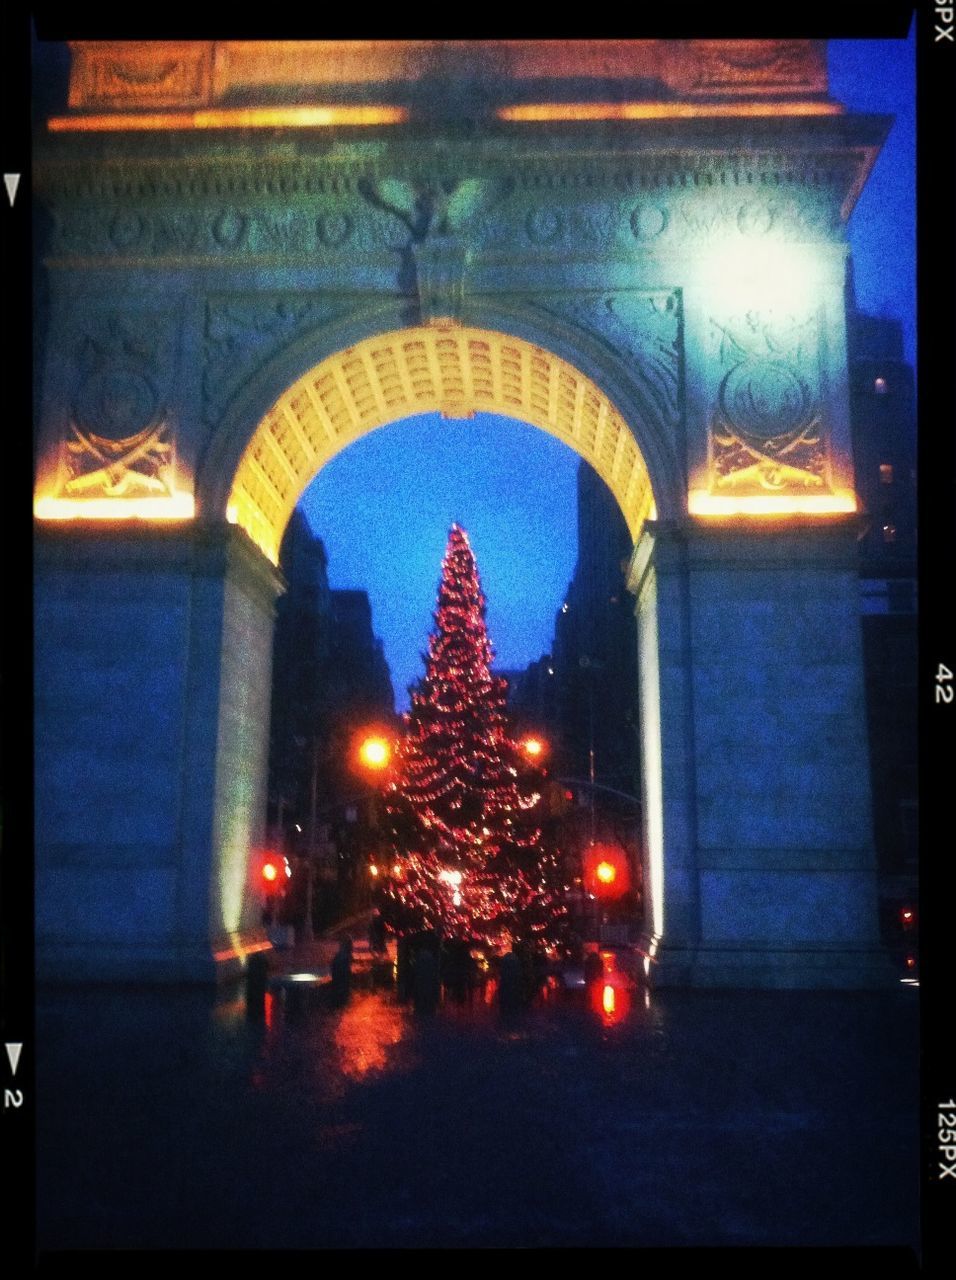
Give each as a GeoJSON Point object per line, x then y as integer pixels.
{"type": "Point", "coordinates": [466, 842]}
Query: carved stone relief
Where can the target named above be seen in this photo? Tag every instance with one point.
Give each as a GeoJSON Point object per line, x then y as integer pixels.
{"type": "Point", "coordinates": [443, 218]}
{"type": "Point", "coordinates": [708, 216]}
{"type": "Point", "coordinates": [726, 65]}
{"type": "Point", "coordinates": [643, 328]}
{"type": "Point", "coordinates": [303, 213]}
{"type": "Point", "coordinates": [766, 429]}
{"type": "Point", "coordinates": [136, 75]}
{"type": "Point", "coordinates": [674, 219]}
{"type": "Point", "coordinates": [591, 223]}
{"type": "Point", "coordinates": [215, 232]}
{"type": "Point", "coordinates": [119, 442]}
{"type": "Point", "coordinates": [241, 332]}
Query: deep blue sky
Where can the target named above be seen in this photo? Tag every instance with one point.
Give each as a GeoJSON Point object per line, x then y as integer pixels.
{"type": "Point", "coordinates": [384, 506]}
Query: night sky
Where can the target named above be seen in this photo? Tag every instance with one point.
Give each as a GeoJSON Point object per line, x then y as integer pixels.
{"type": "Point", "coordinates": [384, 505]}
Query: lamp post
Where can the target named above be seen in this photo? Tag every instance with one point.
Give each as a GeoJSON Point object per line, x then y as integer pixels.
{"type": "Point", "coordinates": [590, 665]}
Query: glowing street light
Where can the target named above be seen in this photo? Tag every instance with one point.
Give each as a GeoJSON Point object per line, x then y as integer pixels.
{"type": "Point", "coordinates": [371, 749]}
{"type": "Point", "coordinates": [375, 753]}
{"type": "Point", "coordinates": [534, 747]}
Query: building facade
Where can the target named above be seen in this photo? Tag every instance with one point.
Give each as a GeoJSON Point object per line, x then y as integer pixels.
{"type": "Point", "coordinates": [330, 679]}
{"type": "Point", "coordinates": [883, 418]}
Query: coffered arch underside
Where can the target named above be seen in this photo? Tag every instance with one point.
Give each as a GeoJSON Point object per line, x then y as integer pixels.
{"type": "Point", "coordinates": [454, 370]}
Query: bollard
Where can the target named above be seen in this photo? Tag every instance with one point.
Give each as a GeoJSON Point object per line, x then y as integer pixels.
{"type": "Point", "coordinates": [257, 980]}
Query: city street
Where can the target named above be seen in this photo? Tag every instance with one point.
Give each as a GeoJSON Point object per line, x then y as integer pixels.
{"type": "Point", "coordinates": [170, 1119]}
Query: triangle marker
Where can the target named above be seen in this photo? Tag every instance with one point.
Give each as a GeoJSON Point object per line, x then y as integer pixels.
{"type": "Point", "coordinates": [11, 182]}
{"type": "Point", "coordinates": [13, 1053]}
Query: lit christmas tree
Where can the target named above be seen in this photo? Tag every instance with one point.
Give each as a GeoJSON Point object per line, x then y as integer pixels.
{"type": "Point", "coordinates": [469, 860]}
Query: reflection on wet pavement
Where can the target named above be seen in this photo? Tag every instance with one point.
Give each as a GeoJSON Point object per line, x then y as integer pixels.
{"type": "Point", "coordinates": [607, 1115]}
{"type": "Point", "coordinates": [365, 1033]}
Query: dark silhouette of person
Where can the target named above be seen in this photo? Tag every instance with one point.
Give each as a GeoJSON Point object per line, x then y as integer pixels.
{"type": "Point", "coordinates": [341, 969]}
{"type": "Point", "coordinates": [377, 934]}
{"type": "Point", "coordinates": [456, 969]}
{"type": "Point", "coordinates": [425, 982]}
{"type": "Point", "coordinates": [511, 985]}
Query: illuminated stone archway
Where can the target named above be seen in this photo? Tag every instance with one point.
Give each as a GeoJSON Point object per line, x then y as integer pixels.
{"type": "Point", "coordinates": [656, 276]}
{"type": "Point", "coordinates": [453, 370]}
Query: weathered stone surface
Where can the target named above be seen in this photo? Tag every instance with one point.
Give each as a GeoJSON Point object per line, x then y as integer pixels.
{"type": "Point", "coordinates": [153, 672]}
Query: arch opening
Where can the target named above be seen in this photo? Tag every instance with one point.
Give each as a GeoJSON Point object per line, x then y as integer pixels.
{"type": "Point", "coordinates": [454, 370]}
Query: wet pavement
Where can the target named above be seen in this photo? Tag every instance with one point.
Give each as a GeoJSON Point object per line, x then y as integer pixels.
{"type": "Point", "coordinates": [171, 1119]}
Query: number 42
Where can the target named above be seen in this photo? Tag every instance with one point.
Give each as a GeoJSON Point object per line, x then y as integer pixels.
{"type": "Point", "coordinates": [944, 686]}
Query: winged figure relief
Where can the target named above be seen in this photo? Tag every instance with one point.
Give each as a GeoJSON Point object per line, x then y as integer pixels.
{"type": "Point", "coordinates": [436, 207]}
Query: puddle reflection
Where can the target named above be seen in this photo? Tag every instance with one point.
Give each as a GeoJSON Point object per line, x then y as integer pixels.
{"type": "Point", "coordinates": [367, 1030]}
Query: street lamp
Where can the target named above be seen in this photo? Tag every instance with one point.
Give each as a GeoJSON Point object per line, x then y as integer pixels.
{"type": "Point", "coordinates": [534, 747]}
{"type": "Point", "coordinates": [372, 749]}
{"type": "Point", "coordinates": [375, 753]}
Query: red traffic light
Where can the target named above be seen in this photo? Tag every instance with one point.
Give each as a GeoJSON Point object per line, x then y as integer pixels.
{"type": "Point", "coordinates": [274, 871]}
{"type": "Point", "coordinates": [606, 873]}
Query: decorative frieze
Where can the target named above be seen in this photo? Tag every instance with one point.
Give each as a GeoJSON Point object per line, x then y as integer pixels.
{"type": "Point", "coordinates": [404, 177]}
{"type": "Point", "coordinates": [223, 232]}
{"type": "Point", "coordinates": [329, 209]}
{"type": "Point", "coordinates": [667, 221]}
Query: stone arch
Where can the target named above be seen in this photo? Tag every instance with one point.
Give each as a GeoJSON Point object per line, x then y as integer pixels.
{"type": "Point", "coordinates": [287, 424]}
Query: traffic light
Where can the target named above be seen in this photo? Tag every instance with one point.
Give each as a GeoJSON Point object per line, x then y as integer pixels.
{"type": "Point", "coordinates": [606, 872]}
{"type": "Point", "coordinates": [273, 873]}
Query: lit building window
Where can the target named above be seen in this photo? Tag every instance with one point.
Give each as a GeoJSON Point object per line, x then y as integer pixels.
{"type": "Point", "coordinates": [879, 386]}
{"type": "Point", "coordinates": [889, 533]}
{"type": "Point", "coordinates": [886, 473]}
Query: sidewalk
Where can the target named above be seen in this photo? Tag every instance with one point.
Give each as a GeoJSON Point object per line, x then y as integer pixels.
{"type": "Point", "coordinates": [685, 1118]}
{"type": "Point", "coordinates": [315, 954]}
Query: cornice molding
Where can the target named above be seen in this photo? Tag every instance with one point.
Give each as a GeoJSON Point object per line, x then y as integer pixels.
{"type": "Point", "coordinates": [195, 178]}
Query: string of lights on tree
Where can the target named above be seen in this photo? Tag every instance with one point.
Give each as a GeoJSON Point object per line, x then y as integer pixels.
{"type": "Point", "coordinates": [468, 858]}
